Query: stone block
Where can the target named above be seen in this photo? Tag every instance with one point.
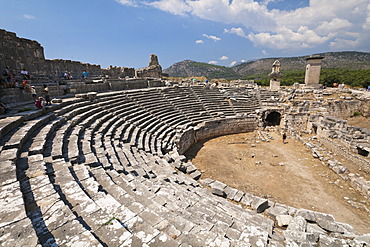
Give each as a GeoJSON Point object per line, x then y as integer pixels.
{"type": "Point", "coordinates": [218, 188]}
{"type": "Point", "coordinates": [207, 181]}
{"type": "Point", "coordinates": [364, 238]}
{"type": "Point", "coordinates": [20, 233]}
{"type": "Point", "coordinates": [260, 204]}
{"type": "Point", "coordinates": [230, 192]}
{"type": "Point", "coordinates": [196, 175]}
{"type": "Point", "coordinates": [299, 238]}
{"type": "Point", "coordinates": [283, 220]}
{"type": "Point", "coordinates": [239, 195]}
{"type": "Point", "coordinates": [306, 214]}
{"type": "Point", "coordinates": [247, 199]}
{"type": "Point", "coordinates": [277, 210]}
{"type": "Point", "coordinates": [298, 224]}
{"type": "Point", "coordinates": [91, 160]}
{"type": "Point", "coordinates": [190, 167]}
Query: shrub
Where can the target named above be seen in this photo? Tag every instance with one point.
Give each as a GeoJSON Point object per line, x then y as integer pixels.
{"type": "Point", "coordinates": [356, 113]}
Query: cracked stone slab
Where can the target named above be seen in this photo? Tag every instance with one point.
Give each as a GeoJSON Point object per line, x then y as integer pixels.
{"type": "Point", "coordinates": [77, 239]}
{"type": "Point", "coordinates": [300, 238]}
{"type": "Point", "coordinates": [11, 204]}
{"type": "Point", "coordinates": [283, 220]}
{"type": "Point", "coordinates": [277, 210]}
{"type": "Point", "coordinates": [196, 174]}
{"type": "Point", "coordinates": [218, 188]}
{"type": "Point", "coordinates": [254, 236]}
{"type": "Point", "coordinates": [20, 233]}
{"type": "Point", "coordinates": [298, 224]}
{"type": "Point", "coordinates": [9, 154]}
{"type": "Point", "coordinates": [113, 232]}
{"type": "Point", "coordinates": [7, 172]}
{"type": "Point", "coordinates": [145, 232]}
{"type": "Point", "coordinates": [163, 240]}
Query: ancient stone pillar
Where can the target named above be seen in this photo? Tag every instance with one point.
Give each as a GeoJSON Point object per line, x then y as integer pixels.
{"type": "Point", "coordinates": [275, 76]}
{"type": "Point", "coordinates": [313, 68]}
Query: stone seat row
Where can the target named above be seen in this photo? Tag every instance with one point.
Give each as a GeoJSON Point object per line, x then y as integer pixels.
{"type": "Point", "coordinates": [63, 182]}
{"type": "Point", "coordinates": [103, 177]}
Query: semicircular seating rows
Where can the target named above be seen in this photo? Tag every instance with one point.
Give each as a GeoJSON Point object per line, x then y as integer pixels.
{"type": "Point", "coordinates": [99, 173]}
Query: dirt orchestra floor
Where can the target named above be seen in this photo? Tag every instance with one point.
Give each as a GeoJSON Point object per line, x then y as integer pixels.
{"type": "Point", "coordinates": [285, 173]}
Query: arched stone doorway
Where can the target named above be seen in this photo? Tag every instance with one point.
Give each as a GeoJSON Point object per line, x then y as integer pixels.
{"type": "Point", "coordinates": [273, 119]}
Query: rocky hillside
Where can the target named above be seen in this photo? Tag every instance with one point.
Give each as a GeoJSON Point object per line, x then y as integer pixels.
{"type": "Point", "coordinates": [341, 60]}
{"type": "Point", "coordinates": [188, 68]}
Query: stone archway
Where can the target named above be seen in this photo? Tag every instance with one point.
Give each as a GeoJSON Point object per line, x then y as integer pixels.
{"type": "Point", "coordinates": [273, 119]}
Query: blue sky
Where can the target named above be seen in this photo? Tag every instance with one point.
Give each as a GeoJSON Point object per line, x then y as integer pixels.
{"type": "Point", "coordinates": [223, 32]}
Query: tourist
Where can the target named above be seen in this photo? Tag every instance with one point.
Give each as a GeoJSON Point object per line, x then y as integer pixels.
{"type": "Point", "coordinates": [38, 102]}
{"type": "Point", "coordinates": [47, 95]}
{"type": "Point", "coordinates": [8, 77]}
{"type": "Point", "coordinates": [67, 75]}
{"type": "Point", "coordinates": [33, 93]}
{"type": "Point", "coordinates": [25, 74]}
{"type": "Point", "coordinates": [284, 137]}
{"type": "Point", "coordinates": [84, 74]}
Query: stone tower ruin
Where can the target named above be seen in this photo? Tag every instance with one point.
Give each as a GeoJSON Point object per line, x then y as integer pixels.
{"type": "Point", "coordinates": [275, 76]}
{"type": "Point", "coordinates": [313, 68]}
{"type": "Point", "coordinates": [154, 70]}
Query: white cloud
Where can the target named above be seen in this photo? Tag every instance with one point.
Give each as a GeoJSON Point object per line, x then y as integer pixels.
{"type": "Point", "coordinates": [30, 17]}
{"type": "Point", "coordinates": [128, 3]}
{"type": "Point", "coordinates": [233, 63]}
{"type": "Point", "coordinates": [366, 25]}
{"type": "Point", "coordinates": [236, 30]}
{"type": "Point", "coordinates": [264, 52]}
{"type": "Point", "coordinates": [177, 7]}
{"type": "Point", "coordinates": [242, 61]}
{"type": "Point", "coordinates": [223, 58]}
{"type": "Point", "coordinates": [343, 43]}
{"type": "Point", "coordinates": [212, 37]}
{"type": "Point", "coordinates": [213, 62]}
{"type": "Point", "coordinates": [321, 23]}
{"type": "Point", "coordinates": [334, 25]}
{"type": "Point", "coordinates": [199, 41]}
{"type": "Point", "coordinates": [288, 39]}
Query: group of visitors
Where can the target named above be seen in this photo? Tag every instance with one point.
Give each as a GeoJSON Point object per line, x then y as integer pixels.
{"type": "Point", "coordinates": [67, 75]}
{"type": "Point", "coordinates": [40, 100]}
{"type": "Point", "coordinates": [8, 78]}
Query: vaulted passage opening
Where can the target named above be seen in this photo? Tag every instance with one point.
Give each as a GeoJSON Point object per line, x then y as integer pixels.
{"type": "Point", "coordinates": [273, 119]}
{"type": "Point", "coordinates": [362, 152]}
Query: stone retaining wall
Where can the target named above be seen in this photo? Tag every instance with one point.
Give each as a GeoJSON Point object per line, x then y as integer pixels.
{"type": "Point", "coordinates": [352, 136]}
{"type": "Point", "coordinates": [16, 95]}
{"type": "Point", "coordinates": [213, 129]}
{"type": "Point", "coordinates": [19, 53]}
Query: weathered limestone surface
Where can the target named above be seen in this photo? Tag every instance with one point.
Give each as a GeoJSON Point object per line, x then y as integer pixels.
{"type": "Point", "coordinates": [107, 169]}
{"type": "Point", "coordinates": [154, 70]}
{"type": "Point", "coordinates": [313, 68]}
{"type": "Point", "coordinates": [19, 53]}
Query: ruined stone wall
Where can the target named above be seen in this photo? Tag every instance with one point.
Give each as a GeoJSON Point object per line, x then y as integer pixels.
{"type": "Point", "coordinates": [213, 129]}
{"type": "Point", "coordinates": [19, 53]}
{"type": "Point", "coordinates": [15, 95]}
{"type": "Point", "coordinates": [339, 129]}
{"type": "Point", "coordinates": [345, 109]}
{"type": "Point", "coordinates": [119, 72]}
{"type": "Point", "coordinates": [154, 70]}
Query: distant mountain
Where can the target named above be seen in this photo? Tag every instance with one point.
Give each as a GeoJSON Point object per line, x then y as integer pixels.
{"type": "Point", "coordinates": [188, 68]}
{"type": "Point", "coordinates": [339, 60]}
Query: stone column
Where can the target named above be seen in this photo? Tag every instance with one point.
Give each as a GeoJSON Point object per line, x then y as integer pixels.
{"type": "Point", "coordinates": [275, 76]}
{"type": "Point", "coordinates": [313, 68]}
